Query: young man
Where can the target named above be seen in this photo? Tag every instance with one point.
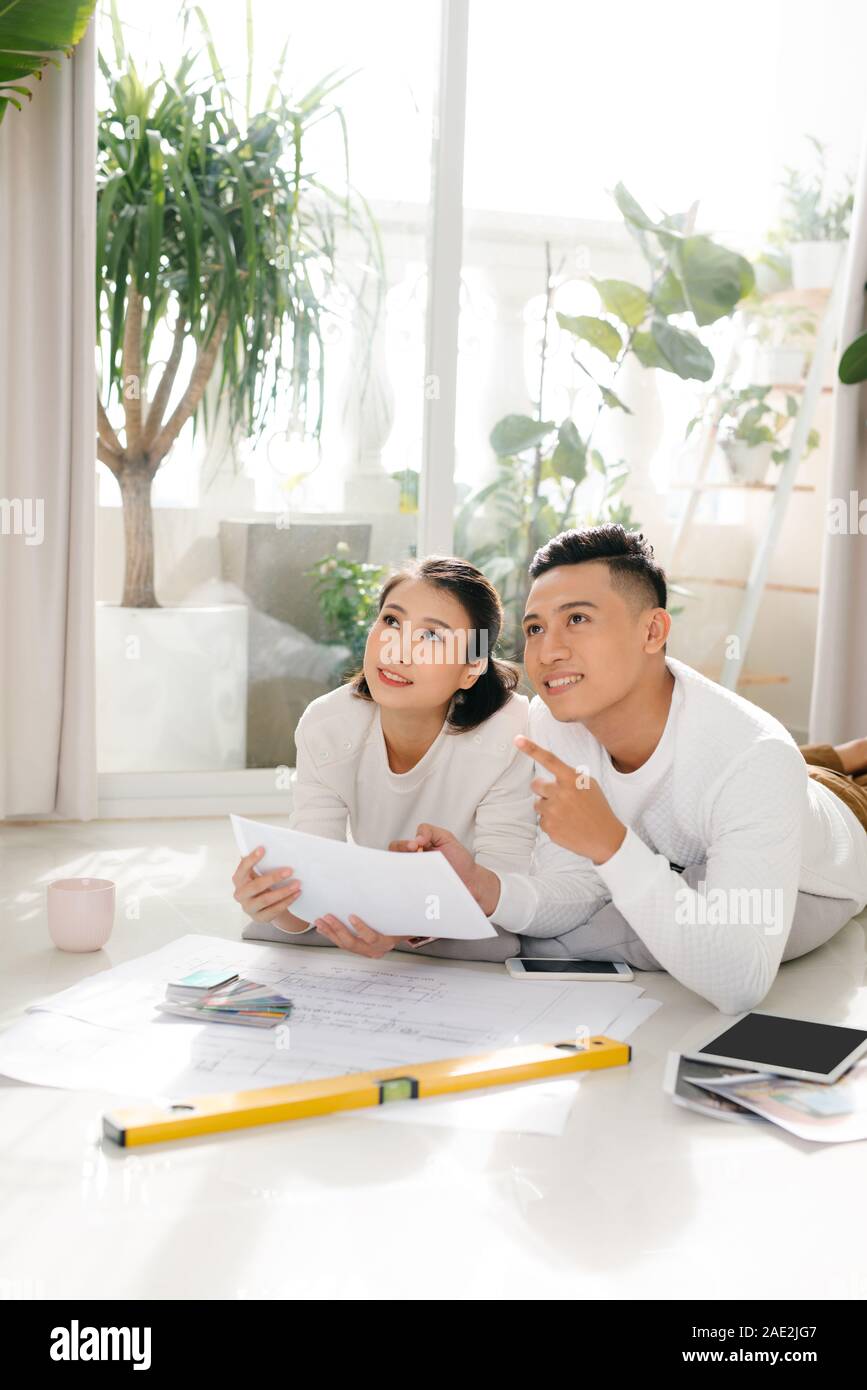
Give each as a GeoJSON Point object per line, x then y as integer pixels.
{"type": "Point", "coordinates": [646, 770]}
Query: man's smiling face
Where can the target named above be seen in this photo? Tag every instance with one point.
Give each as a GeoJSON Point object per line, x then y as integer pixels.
{"type": "Point", "coordinates": [587, 641]}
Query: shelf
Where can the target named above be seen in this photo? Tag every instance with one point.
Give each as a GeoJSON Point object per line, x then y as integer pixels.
{"type": "Point", "coordinates": [750, 677]}
{"type": "Point", "coordinates": [816, 300]}
{"type": "Point", "coordinates": [738, 487]}
{"type": "Point", "coordinates": [742, 584]}
{"type": "Point", "coordinates": [794, 386]}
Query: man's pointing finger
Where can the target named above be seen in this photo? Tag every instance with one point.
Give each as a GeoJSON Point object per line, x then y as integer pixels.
{"type": "Point", "coordinates": [547, 759]}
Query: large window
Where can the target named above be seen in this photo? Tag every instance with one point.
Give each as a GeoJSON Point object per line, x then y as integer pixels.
{"type": "Point", "coordinates": [270, 541]}
{"type": "Point", "coordinates": [693, 112]}
{"type": "Point", "coordinates": [270, 534]}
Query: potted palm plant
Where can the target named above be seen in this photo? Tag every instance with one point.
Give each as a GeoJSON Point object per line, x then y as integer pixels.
{"type": "Point", "coordinates": [215, 257]}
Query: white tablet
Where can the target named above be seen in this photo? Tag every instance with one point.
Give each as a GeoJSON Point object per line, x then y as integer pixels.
{"type": "Point", "coordinates": [797, 1047]}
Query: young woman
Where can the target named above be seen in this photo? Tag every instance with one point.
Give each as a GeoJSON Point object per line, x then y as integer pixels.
{"type": "Point", "coordinates": [424, 733]}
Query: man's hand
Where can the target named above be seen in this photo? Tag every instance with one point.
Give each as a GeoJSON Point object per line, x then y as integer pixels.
{"type": "Point", "coordinates": [483, 883]}
{"type": "Point", "coordinates": [572, 809]}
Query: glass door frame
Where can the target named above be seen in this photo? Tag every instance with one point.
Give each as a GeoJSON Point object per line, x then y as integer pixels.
{"type": "Point", "coordinates": [265, 790]}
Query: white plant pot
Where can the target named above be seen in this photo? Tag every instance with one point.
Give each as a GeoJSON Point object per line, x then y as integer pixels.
{"type": "Point", "coordinates": [747, 463]}
{"type": "Point", "coordinates": [171, 688]}
{"type": "Point", "coordinates": [769, 278]}
{"type": "Point", "coordinates": [778, 366]}
{"type": "Point", "coordinates": [814, 263]}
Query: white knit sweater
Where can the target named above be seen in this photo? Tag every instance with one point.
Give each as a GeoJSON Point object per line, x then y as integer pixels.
{"type": "Point", "coordinates": [476, 782]}
{"type": "Point", "coordinates": [736, 794]}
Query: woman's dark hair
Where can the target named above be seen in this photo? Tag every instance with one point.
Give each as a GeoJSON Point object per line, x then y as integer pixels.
{"type": "Point", "coordinates": [479, 598]}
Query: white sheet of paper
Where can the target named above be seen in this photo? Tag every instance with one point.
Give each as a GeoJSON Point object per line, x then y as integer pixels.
{"type": "Point", "coordinates": [637, 1011]}
{"type": "Point", "coordinates": [396, 894]}
{"type": "Point", "coordinates": [349, 1014]}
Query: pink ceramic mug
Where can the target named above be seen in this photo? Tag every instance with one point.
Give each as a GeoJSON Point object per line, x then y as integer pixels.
{"type": "Point", "coordinates": [80, 913]}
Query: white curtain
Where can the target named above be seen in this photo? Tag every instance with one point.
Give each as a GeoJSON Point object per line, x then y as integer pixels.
{"type": "Point", "coordinates": [47, 451]}
{"type": "Point", "coordinates": [838, 708]}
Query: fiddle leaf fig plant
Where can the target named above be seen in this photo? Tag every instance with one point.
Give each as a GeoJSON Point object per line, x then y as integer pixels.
{"type": "Point", "coordinates": [690, 282]}
{"type": "Point", "coordinates": [33, 33]}
{"type": "Point", "coordinates": [853, 364]}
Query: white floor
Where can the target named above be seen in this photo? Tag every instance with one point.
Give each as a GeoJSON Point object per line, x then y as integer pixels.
{"type": "Point", "coordinates": [637, 1200]}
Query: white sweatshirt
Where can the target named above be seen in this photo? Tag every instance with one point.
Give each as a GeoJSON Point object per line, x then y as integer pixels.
{"type": "Point", "coordinates": [726, 784]}
{"type": "Point", "coordinates": [475, 783]}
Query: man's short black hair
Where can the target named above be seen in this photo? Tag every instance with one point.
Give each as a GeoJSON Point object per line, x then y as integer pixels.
{"type": "Point", "coordinates": [627, 554]}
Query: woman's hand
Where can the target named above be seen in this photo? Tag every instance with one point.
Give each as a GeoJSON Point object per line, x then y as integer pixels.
{"type": "Point", "coordinates": [362, 941]}
{"type": "Point", "coordinates": [264, 897]}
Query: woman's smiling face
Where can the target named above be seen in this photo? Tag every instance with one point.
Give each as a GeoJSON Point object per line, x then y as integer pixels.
{"type": "Point", "coordinates": [419, 651]}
